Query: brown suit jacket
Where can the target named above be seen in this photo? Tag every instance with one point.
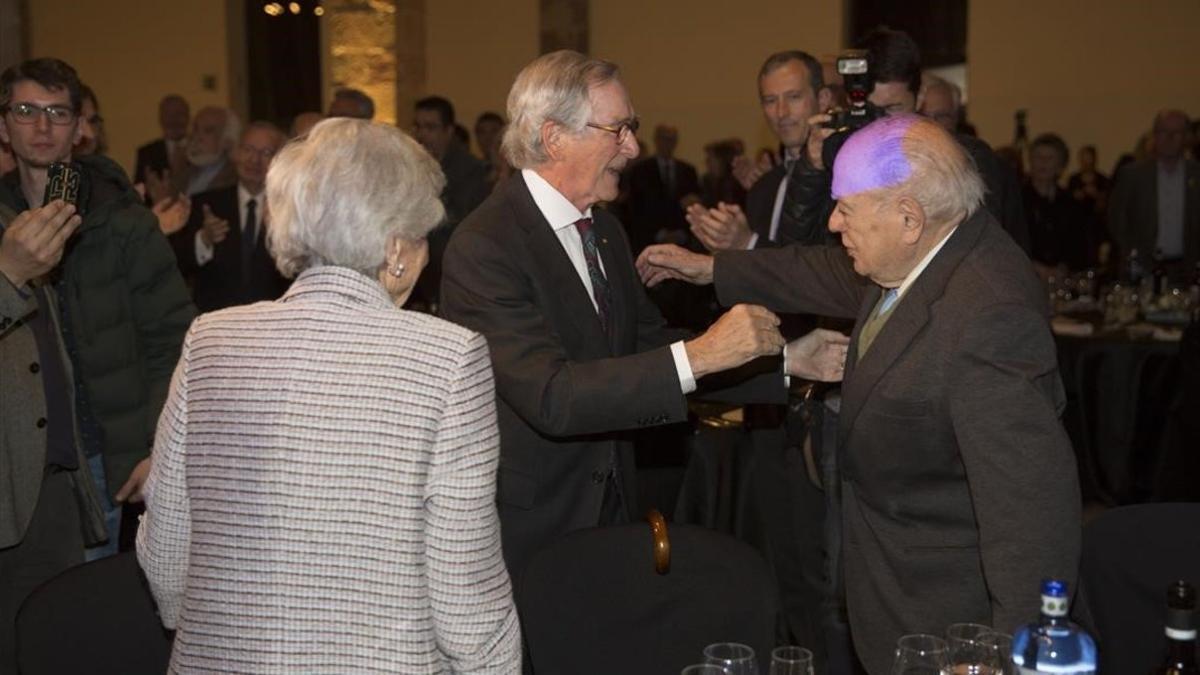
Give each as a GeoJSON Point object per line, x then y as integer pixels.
{"type": "Point", "coordinates": [959, 486]}
{"type": "Point", "coordinates": [1133, 209]}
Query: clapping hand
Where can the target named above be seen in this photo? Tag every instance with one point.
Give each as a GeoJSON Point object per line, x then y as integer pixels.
{"type": "Point", "coordinates": [723, 228]}
{"type": "Point", "coordinates": [213, 230]}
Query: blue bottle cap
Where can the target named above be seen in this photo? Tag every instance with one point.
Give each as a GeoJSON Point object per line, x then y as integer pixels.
{"type": "Point", "coordinates": [1055, 588]}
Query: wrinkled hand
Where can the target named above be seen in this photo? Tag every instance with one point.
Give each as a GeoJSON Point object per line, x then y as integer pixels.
{"type": "Point", "coordinates": [818, 356]}
{"type": "Point", "coordinates": [158, 185]}
{"type": "Point", "coordinates": [667, 261]}
{"type": "Point", "coordinates": [747, 171]}
{"type": "Point", "coordinates": [131, 491]}
{"type": "Point", "coordinates": [213, 230]}
{"type": "Point", "coordinates": [172, 213]}
{"type": "Point", "coordinates": [817, 133]}
{"type": "Point", "coordinates": [723, 228]}
{"type": "Point", "coordinates": [33, 243]}
{"type": "Point", "coordinates": [742, 334]}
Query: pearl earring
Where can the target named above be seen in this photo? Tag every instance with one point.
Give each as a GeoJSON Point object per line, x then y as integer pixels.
{"type": "Point", "coordinates": [398, 270]}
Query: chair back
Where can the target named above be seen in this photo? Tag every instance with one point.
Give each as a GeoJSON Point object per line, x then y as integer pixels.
{"type": "Point", "coordinates": [98, 618]}
{"type": "Point", "coordinates": [1130, 555]}
{"type": "Point", "coordinates": [593, 602]}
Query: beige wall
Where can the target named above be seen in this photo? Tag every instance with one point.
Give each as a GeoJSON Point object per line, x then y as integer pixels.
{"type": "Point", "coordinates": [1093, 71]}
{"type": "Point", "coordinates": [474, 50]}
{"type": "Point", "coordinates": [694, 64]}
{"type": "Point", "coordinates": [132, 53]}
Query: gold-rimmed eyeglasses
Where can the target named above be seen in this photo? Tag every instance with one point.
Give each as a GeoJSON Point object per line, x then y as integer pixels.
{"type": "Point", "coordinates": [28, 113]}
{"type": "Point", "coordinates": [622, 130]}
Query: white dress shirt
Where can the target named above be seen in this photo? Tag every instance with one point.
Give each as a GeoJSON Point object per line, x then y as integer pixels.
{"type": "Point", "coordinates": [204, 252]}
{"type": "Point", "coordinates": [562, 215]}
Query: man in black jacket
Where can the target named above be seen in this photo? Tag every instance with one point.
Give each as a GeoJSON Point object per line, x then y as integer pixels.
{"type": "Point", "coordinates": [224, 242]}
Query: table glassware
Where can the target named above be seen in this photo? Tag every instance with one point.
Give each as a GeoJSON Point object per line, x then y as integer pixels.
{"type": "Point", "coordinates": [704, 669]}
{"type": "Point", "coordinates": [921, 655]}
{"type": "Point", "coordinates": [999, 646]}
{"type": "Point", "coordinates": [735, 658]}
{"type": "Point", "coordinates": [791, 660]}
{"type": "Point", "coordinates": [967, 654]}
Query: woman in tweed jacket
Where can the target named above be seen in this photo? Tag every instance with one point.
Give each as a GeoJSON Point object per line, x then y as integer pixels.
{"type": "Point", "coordinates": [322, 497]}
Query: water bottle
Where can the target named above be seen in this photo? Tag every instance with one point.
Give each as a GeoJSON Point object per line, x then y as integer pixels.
{"type": "Point", "coordinates": [1053, 644]}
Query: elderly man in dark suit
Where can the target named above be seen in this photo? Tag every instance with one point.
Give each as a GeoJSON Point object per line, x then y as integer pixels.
{"type": "Point", "coordinates": [582, 358]}
{"type": "Point", "coordinates": [657, 187]}
{"type": "Point", "coordinates": [959, 488]}
{"type": "Point", "coordinates": [1155, 204]}
{"type": "Point", "coordinates": [223, 246]}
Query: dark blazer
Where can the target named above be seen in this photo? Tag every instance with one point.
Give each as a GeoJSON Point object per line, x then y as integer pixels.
{"type": "Point", "coordinates": [760, 203]}
{"type": "Point", "coordinates": [466, 188]}
{"type": "Point", "coordinates": [152, 155]}
{"type": "Point", "coordinates": [652, 206]}
{"type": "Point", "coordinates": [959, 486]}
{"type": "Point", "coordinates": [1133, 209]}
{"type": "Point", "coordinates": [568, 393]}
{"type": "Point", "coordinates": [220, 283]}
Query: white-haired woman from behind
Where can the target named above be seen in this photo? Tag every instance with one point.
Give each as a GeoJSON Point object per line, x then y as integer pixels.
{"type": "Point", "coordinates": [322, 497]}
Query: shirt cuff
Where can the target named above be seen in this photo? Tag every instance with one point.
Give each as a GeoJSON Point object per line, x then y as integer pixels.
{"type": "Point", "coordinates": [204, 252]}
{"type": "Point", "coordinates": [687, 380]}
{"type": "Point", "coordinates": [753, 240]}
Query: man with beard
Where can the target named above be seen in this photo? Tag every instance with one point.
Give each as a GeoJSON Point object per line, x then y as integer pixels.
{"type": "Point", "coordinates": [207, 166]}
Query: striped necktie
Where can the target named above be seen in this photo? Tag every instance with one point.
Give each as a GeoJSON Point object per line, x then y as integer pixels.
{"type": "Point", "coordinates": [591, 254]}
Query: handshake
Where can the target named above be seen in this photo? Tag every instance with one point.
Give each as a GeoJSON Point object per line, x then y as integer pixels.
{"type": "Point", "coordinates": [745, 332]}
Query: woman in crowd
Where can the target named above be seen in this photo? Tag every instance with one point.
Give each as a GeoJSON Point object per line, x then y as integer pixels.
{"type": "Point", "coordinates": [323, 483]}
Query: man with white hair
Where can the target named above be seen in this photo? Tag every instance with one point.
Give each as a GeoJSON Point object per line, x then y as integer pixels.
{"type": "Point", "coordinates": [215, 132]}
{"type": "Point", "coordinates": [582, 358]}
{"type": "Point", "coordinates": [958, 483]}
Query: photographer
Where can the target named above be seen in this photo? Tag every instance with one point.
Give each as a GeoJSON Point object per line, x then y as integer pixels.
{"type": "Point", "coordinates": [895, 71]}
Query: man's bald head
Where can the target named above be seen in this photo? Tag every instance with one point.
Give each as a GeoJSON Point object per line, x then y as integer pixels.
{"type": "Point", "coordinates": [913, 155]}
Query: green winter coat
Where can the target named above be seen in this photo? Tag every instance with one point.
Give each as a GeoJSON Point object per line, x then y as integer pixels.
{"type": "Point", "coordinates": [127, 308]}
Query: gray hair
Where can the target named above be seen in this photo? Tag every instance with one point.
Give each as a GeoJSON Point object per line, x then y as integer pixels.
{"type": "Point", "coordinates": [554, 87]}
{"type": "Point", "coordinates": [336, 196]}
{"type": "Point", "coordinates": [945, 180]}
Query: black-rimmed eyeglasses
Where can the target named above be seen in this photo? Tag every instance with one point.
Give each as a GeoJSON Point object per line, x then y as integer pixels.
{"type": "Point", "coordinates": [622, 130]}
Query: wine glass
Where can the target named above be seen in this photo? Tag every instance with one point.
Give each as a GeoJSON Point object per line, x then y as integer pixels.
{"type": "Point", "coordinates": [999, 648]}
{"type": "Point", "coordinates": [791, 661]}
{"type": "Point", "coordinates": [921, 655]}
{"type": "Point", "coordinates": [967, 653]}
{"type": "Point", "coordinates": [704, 669]}
{"type": "Point", "coordinates": [735, 658]}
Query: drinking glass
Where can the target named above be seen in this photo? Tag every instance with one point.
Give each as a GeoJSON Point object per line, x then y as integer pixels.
{"type": "Point", "coordinates": [999, 646]}
{"type": "Point", "coordinates": [735, 658]}
{"type": "Point", "coordinates": [967, 653]}
{"type": "Point", "coordinates": [921, 655]}
{"type": "Point", "coordinates": [704, 669]}
{"type": "Point", "coordinates": [791, 661]}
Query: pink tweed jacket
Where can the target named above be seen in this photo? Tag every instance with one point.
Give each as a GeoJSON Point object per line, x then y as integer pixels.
{"type": "Point", "coordinates": [322, 497]}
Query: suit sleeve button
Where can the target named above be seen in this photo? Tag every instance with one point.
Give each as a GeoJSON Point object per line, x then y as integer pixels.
{"type": "Point", "coordinates": [597, 477]}
{"type": "Point", "coordinates": [41, 423]}
{"type": "Point", "coordinates": [34, 367]}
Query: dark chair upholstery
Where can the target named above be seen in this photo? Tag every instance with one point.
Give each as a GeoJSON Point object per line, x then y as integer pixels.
{"type": "Point", "coordinates": [1130, 555]}
{"type": "Point", "coordinates": [97, 618]}
{"type": "Point", "coordinates": [592, 602]}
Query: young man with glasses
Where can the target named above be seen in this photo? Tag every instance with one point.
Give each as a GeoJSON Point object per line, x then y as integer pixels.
{"type": "Point", "coordinates": [124, 306]}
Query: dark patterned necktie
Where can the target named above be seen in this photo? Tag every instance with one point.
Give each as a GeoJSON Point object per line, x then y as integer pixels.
{"type": "Point", "coordinates": [249, 238]}
{"type": "Point", "coordinates": [600, 290]}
